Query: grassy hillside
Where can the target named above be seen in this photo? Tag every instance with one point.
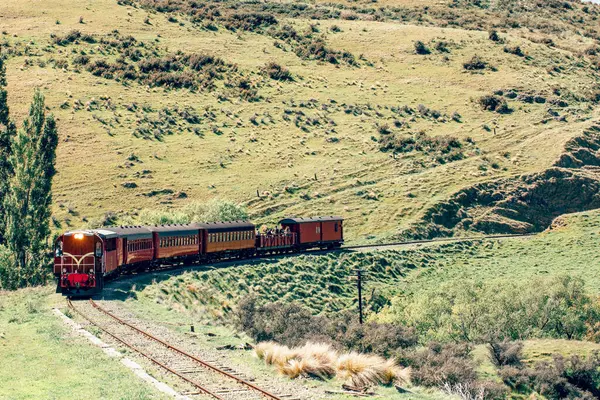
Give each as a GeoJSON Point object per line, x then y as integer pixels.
{"type": "Point", "coordinates": [322, 283]}
{"type": "Point", "coordinates": [160, 105]}
{"type": "Point", "coordinates": [395, 279]}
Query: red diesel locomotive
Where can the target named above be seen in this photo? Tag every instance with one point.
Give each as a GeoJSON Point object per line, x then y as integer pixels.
{"type": "Point", "coordinates": [84, 259]}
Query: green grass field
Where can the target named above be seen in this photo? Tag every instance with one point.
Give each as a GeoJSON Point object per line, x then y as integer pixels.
{"type": "Point", "coordinates": [43, 359]}
{"type": "Point", "coordinates": [321, 282]}
{"type": "Point", "coordinates": [310, 146]}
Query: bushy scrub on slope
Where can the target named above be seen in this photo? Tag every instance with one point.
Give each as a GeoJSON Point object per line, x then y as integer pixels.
{"type": "Point", "coordinates": [500, 309]}
{"type": "Point", "coordinates": [293, 325]}
{"type": "Point", "coordinates": [573, 377]}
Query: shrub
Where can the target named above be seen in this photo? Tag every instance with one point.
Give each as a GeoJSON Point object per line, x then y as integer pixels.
{"type": "Point", "coordinates": [289, 324]}
{"type": "Point", "coordinates": [277, 72]}
{"type": "Point", "coordinates": [493, 36]}
{"type": "Point", "coordinates": [213, 211]}
{"type": "Point", "coordinates": [494, 103]}
{"type": "Point", "coordinates": [380, 338]}
{"type": "Point", "coordinates": [9, 279]}
{"type": "Point", "coordinates": [498, 310]}
{"type": "Point", "coordinates": [249, 21]}
{"type": "Point", "coordinates": [383, 129]}
{"type": "Point", "coordinates": [442, 47]}
{"type": "Point", "coordinates": [506, 353]}
{"type": "Point", "coordinates": [573, 377]}
{"type": "Point", "coordinates": [81, 60]}
{"type": "Point", "coordinates": [516, 50]}
{"type": "Point", "coordinates": [475, 63]}
{"type": "Point", "coordinates": [440, 364]}
{"type": "Point", "coordinates": [421, 48]}
{"type": "Point", "coordinates": [443, 148]}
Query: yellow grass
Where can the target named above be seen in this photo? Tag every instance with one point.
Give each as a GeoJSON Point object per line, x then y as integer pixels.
{"type": "Point", "coordinates": [321, 361]}
{"type": "Point", "coordinates": [272, 156]}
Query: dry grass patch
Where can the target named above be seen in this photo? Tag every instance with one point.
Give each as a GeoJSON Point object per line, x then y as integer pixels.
{"type": "Point", "coordinates": [320, 360]}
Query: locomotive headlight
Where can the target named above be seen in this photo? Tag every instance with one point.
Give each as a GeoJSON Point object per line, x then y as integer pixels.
{"type": "Point", "coordinates": [78, 236]}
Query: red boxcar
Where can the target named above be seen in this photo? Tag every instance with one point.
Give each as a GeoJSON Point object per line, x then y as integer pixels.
{"type": "Point", "coordinates": [324, 232]}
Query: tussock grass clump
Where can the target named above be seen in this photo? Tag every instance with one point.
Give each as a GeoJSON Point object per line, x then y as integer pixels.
{"type": "Point", "coordinates": [320, 360]}
{"type": "Point", "coordinates": [364, 370]}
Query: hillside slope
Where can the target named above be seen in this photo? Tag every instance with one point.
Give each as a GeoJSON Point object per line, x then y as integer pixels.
{"type": "Point", "coordinates": [161, 103]}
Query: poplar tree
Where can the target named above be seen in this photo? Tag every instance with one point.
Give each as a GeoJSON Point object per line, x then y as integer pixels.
{"type": "Point", "coordinates": [7, 132]}
{"type": "Point", "coordinates": [29, 197]}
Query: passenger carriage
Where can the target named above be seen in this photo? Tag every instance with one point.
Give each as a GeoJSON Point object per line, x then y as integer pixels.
{"type": "Point", "coordinates": [83, 259]}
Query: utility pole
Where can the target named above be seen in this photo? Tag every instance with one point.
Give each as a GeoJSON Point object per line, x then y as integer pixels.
{"type": "Point", "coordinates": [359, 283]}
{"type": "Point", "coordinates": [359, 277]}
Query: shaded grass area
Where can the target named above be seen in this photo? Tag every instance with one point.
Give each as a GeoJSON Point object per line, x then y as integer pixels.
{"type": "Point", "coordinates": [42, 359]}
{"type": "Point", "coordinates": [323, 283]}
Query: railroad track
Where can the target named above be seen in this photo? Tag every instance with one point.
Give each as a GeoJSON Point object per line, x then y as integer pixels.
{"type": "Point", "coordinates": [236, 261]}
{"type": "Point", "coordinates": [205, 379]}
{"type": "Point", "coordinates": [439, 240]}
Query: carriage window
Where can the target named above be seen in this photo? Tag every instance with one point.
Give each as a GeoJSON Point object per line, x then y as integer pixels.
{"type": "Point", "coordinates": [335, 227]}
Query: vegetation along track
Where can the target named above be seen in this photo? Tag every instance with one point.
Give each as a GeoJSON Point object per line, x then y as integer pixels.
{"type": "Point", "coordinates": [206, 379]}
{"type": "Point", "coordinates": [237, 261]}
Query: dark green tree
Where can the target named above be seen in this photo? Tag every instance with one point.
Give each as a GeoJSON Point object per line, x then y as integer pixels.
{"type": "Point", "coordinates": [29, 197]}
{"type": "Point", "coordinates": [7, 132]}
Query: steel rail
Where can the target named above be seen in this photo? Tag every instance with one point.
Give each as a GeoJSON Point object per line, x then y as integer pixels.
{"type": "Point", "coordinates": [190, 356]}
{"type": "Point", "coordinates": [318, 250]}
{"type": "Point", "coordinates": [441, 240]}
{"type": "Point", "coordinates": [192, 382]}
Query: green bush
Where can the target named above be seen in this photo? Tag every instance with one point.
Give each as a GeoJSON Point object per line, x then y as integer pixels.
{"type": "Point", "coordinates": [562, 378]}
{"type": "Point", "coordinates": [213, 211]}
{"type": "Point", "coordinates": [500, 309]}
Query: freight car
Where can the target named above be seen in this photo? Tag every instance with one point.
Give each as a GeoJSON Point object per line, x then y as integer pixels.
{"type": "Point", "coordinates": [85, 259]}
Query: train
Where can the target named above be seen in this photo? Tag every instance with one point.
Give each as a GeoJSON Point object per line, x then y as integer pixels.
{"type": "Point", "coordinates": [85, 259]}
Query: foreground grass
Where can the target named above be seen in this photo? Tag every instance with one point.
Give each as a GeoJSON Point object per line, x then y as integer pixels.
{"type": "Point", "coordinates": [321, 282]}
{"type": "Point", "coordinates": [42, 359]}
